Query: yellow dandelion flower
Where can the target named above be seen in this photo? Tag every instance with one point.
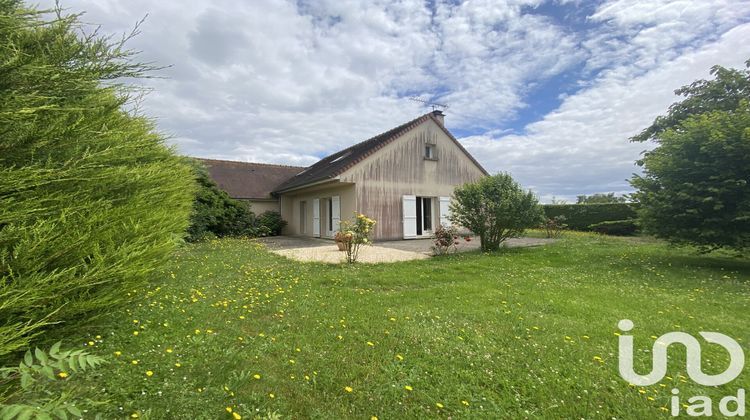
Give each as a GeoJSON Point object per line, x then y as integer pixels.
{"type": "Point", "coordinates": [256, 376]}
{"type": "Point", "coordinates": [63, 375]}
{"type": "Point", "coordinates": [118, 353]}
{"type": "Point", "coordinates": [399, 357]}
{"type": "Point", "coordinates": [177, 365]}
{"type": "Point", "coordinates": [348, 389]}
{"type": "Point", "coordinates": [134, 416]}
{"type": "Point", "coordinates": [169, 350]}
{"type": "Point", "coordinates": [370, 343]}
{"type": "Point", "coordinates": [90, 343]}
{"type": "Point", "coordinates": [464, 402]}
{"type": "Point", "coordinates": [229, 409]}
{"type": "Point", "coordinates": [271, 396]}
{"type": "Point", "coordinates": [135, 332]}
{"type": "Point", "coordinates": [236, 416]}
{"type": "Point", "coordinates": [197, 332]}
{"type": "Point", "coordinates": [408, 388]}
{"type": "Point", "coordinates": [135, 362]}
{"type": "Point", "coordinates": [439, 405]}
{"type": "Point", "coordinates": [149, 373]}
{"type": "Point", "coordinates": [374, 418]}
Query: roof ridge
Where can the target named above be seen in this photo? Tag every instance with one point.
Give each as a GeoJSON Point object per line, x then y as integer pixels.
{"type": "Point", "coordinates": [376, 136]}
{"type": "Point", "coordinates": [342, 165]}
{"type": "Point", "coordinates": [251, 163]}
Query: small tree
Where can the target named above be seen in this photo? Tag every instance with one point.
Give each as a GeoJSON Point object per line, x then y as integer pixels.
{"type": "Point", "coordinates": [495, 208]}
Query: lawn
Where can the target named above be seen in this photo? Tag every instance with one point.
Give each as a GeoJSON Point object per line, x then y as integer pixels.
{"type": "Point", "coordinates": [523, 333]}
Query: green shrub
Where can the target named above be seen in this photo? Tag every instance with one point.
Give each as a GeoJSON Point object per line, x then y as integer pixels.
{"type": "Point", "coordinates": [581, 216]}
{"type": "Point", "coordinates": [43, 385]}
{"type": "Point", "coordinates": [553, 227]}
{"type": "Point", "coordinates": [92, 199]}
{"type": "Point", "coordinates": [215, 214]}
{"type": "Point", "coordinates": [616, 227]}
{"type": "Point", "coordinates": [495, 208]}
{"type": "Point", "coordinates": [270, 223]}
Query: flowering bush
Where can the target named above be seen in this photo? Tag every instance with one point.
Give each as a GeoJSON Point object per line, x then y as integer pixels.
{"type": "Point", "coordinates": [554, 226]}
{"type": "Point", "coordinates": [355, 234]}
{"type": "Point", "coordinates": [446, 239]}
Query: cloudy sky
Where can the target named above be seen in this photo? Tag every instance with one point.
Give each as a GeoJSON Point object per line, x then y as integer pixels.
{"type": "Point", "coordinates": [549, 91]}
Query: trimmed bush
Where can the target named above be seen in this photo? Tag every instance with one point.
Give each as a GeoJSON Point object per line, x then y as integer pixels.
{"type": "Point", "coordinates": [92, 200]}
{"type": "Point", "coordinates": [215, 214]}
{"type": "Point", "coordinates": [270, 223]}
{"type": "Point", "coordinates": [582, 216]}
{"type": "Point", "coordinates": [616, 227]}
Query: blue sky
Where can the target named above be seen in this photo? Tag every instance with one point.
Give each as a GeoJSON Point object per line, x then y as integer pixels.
{"type": "Point", "coordinates": [549, 91]}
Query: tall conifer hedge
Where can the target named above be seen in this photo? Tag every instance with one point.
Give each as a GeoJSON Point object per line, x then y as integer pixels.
{"type": "Point", "coordinates": [91, 199]}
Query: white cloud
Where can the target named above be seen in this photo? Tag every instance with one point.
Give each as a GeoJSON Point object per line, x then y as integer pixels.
{"type": "Point", "coordinates": [286, 82]}
{"type": "Point", "coordinates": [583, 146]}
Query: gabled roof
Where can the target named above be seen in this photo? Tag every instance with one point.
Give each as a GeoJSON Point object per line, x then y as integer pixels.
{"type": "Point", "coordinates": [248, 180]}
{"type": "Point", "coordinates": [333, 165]}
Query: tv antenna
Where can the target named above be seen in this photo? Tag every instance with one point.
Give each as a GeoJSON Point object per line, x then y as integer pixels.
{"type": "Point", "coordinates": [435, 106]}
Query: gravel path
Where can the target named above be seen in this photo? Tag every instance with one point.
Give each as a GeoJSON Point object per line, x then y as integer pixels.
{"type": "Point", "coordinates": [323, 250]}
{"type": "Point", "coordinates": [367, 254]}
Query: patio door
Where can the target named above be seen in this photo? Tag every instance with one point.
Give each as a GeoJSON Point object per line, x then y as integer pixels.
{"type": "Point", "coordinates": [424, 216]}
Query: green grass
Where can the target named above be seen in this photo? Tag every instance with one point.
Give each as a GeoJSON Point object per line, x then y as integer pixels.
{"type": "Point", "coordinates": [521, 333]}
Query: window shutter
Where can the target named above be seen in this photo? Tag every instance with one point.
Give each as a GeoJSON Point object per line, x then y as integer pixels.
{"type": "Point", "coordinates": [336, 213]}
{"type": "Point", "coordinates": [316, 217]}
{"type": "Point", "coordinates": [445, 211]}
{"type": "Point", "coordinates": [410, 216]}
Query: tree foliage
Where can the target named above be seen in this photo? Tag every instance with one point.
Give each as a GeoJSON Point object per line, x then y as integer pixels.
{"type": "Point", "coordinates": [694, 188]}
{"type": "Point", "coordinates": [722, 93]}
{"type": "Point", "coordinates": [92, 199]}
{"type": "Point", "coordinates": [600, 198]}
{"type": "Point", "coordinates": [495, 208]}
{"type": "Point", "coordinates": [215, 213]}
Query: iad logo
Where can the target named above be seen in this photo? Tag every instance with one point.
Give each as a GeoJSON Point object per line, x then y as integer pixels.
{"type": "Point", "coordinates": [699, 405]}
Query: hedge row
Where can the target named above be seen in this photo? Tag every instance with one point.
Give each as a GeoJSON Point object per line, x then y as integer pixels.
{"type": "Point", "coordinates": [582, 216]}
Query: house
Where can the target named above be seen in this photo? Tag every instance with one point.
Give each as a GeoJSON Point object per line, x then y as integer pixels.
{"type": "Point", "coordinates": [402, 178]}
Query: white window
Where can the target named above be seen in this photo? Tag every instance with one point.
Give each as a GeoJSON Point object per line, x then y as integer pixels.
{"type": "Point", "coordinates": [429, 151]}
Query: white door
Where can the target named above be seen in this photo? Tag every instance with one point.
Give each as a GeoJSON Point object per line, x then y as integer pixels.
{"type": "Point", "coordinates": [445, 211]}
{"type": "Point", "coordinates": [316, 217]}
{"type": "Point", "coordinates": [410, 216]}
{"type": "Point", "coordinates": [335, 213]}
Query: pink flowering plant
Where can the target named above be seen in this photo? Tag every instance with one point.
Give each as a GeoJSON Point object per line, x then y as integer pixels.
{"type": "Point", "coordinates": [354, 234]}
{"type": "Point", "coordinates": [445, 240]}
